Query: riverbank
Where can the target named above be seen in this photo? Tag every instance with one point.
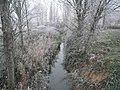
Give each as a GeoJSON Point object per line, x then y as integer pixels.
{"type": "Point", "coordinates": [43, 49]}
{"type": "Point", "coordinates": [103, 64]}
{"type": "Point", "coordinates": [33, 67]}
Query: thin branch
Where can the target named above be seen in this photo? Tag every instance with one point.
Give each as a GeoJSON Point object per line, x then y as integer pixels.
{"type": "Point", "coordinates": [117, 7]}
{"type": "Point", "coordinates": [2, 56]}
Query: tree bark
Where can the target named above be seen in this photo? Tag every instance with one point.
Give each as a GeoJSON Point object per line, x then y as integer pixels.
{"type": "Point", "coordinates": [8, 44]}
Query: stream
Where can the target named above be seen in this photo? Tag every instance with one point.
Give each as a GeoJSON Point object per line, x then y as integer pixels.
{"type": "Point", "coordinates": [58, 74]}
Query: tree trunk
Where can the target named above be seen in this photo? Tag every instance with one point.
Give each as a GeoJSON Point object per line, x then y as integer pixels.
{"type": "Point", "coordinates": [8, 43]}
{"type": "Point", "coordinates": [50, 13]}
{"type": "Point", "coordinates": [20, 25]}
{"type": "Point", "coordinates": [26, 11]}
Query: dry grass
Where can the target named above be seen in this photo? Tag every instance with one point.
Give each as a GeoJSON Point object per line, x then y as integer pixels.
{"type": "Point", "coordinates": [35, 58]}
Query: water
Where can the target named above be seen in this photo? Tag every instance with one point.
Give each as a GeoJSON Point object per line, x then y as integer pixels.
{"type": "Point", "coordinates": [58, 75]}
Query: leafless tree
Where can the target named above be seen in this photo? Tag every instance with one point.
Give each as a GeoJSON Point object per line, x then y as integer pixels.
{"type": "Point", "coordinates": [18, 8]}
{"type": "Point", "coordinates": [8, 43]}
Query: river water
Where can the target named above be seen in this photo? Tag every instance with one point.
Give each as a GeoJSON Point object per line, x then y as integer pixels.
{"type": "Point", "coordinates": [58, 74]}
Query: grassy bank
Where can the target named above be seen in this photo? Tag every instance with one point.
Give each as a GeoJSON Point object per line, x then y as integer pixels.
{"type": "Point", "coordinates": [109, 45]}
{"type": "Point", "coordinates": [102, 72]}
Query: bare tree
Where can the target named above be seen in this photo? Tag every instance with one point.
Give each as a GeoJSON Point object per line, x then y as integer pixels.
{"type": "Point", "coordinates": [8, 43]}
{"type": "Point", "coordinates": [50, 12]}
{"type": "Point", "coordinates": [18, 9]}
{"type": "Point", "coordinates": [102, 4]}
{"type": "Point", "coordinates": [26, 10]}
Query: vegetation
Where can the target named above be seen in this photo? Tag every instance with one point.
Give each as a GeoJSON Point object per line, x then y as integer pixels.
{"type": "Point", "coordinates": [33, 30]}
{"type": "Point", "coordinates": [110, 46]}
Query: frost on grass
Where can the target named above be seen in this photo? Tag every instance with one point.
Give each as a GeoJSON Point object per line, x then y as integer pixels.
{"type": "Point", "coordinates": [33, 66]}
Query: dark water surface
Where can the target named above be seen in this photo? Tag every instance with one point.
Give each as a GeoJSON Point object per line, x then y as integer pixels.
{"type": "Point", "coordinates": [58, 75]}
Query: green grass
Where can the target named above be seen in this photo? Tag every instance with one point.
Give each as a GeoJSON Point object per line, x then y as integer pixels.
{"type": "Point", "coordinates": [113, 56]}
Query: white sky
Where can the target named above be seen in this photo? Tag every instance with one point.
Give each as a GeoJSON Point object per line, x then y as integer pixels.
{"type": "Point", "coordinates": [47, 3]}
